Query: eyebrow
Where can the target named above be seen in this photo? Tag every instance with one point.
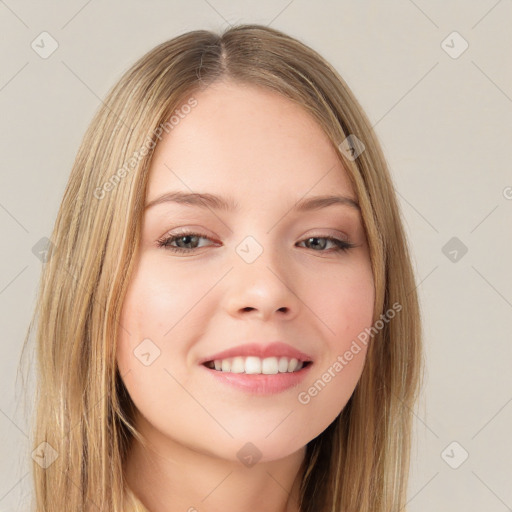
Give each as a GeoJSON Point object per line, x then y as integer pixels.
{"type": "Point", "coordinates": [205, 200]}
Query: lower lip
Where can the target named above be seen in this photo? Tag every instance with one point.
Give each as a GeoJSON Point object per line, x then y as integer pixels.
{"type": "Point", "coordinates": [260, 384]}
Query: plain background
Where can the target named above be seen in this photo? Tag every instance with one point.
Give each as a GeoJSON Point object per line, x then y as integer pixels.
{"type": "Point", "coordinates": [444, 119]}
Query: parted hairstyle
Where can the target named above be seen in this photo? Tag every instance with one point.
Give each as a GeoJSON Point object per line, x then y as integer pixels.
{"type": "Point", "coordinates": [360, 463]}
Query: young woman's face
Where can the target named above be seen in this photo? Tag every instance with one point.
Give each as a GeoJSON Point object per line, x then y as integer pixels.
{"type": "Point", "coordinates": [259, 278]}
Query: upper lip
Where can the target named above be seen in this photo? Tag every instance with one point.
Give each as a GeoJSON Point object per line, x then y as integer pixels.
{"type": "Point", "coordinates": [261, 350]}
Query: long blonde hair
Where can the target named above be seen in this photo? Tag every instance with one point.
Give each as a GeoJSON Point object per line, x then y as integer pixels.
{"type": "Point", "coordinates": [84, 413]}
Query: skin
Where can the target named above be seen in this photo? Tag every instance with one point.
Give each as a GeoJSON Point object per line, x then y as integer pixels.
{"type": "Point", "coordinates": [266, 153]}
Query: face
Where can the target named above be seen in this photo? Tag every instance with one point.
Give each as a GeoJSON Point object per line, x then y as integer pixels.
{"type": "Point", "coordinates": [260, 278]}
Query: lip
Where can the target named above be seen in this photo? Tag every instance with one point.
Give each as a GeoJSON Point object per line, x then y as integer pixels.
{"type": "Point", "coordinates": [274, 349]}
{"type": "Point", "coordinates": [259, 384]}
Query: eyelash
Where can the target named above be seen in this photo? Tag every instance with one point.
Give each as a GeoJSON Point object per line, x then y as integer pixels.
{"type": "Point", "coordinates": [341, 245]}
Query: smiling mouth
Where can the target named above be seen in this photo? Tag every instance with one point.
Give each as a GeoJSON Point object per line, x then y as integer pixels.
{"type": "Point", "coordinates": [253, 365]}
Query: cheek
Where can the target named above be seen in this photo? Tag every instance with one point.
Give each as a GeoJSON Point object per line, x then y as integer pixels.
{"type": "Point", "coordinates": [345, 304]}
{"type": "Point", "coordinates": [151, 307]}
{"type": "Point", "coordinates": [156, 328]}
{"type": "Point", "coordinates": [154, 310]}
{"type": "Point", "coordinates": [156, 299]}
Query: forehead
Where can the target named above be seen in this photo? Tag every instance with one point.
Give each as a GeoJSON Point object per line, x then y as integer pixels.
{"type": "Point", "coordinates": [250, 143]}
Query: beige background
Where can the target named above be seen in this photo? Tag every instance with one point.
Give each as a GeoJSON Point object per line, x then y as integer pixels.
{"type": "Point", "coordinates": [445, 124]}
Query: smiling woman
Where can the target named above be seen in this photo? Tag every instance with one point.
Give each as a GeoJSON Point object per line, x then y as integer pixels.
{"type": "Point", "coordinates": [234, 326]}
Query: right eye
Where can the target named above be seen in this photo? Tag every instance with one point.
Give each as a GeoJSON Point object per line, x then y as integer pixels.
{"type": "Point", "coordinates": [185, 238]}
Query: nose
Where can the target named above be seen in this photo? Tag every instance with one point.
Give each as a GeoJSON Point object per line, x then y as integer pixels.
{"type": "Point", "coordinates": [261, 289]}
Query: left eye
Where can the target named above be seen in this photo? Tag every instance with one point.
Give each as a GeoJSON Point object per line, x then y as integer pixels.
{"type": "Point", "coordinates": [189, 238]}
{"type": "Point", "coordinates": [339, 245]}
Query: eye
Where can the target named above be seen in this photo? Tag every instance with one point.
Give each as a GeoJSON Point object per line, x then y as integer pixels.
{"type": "Point", "coordinates": [187, 238]}
{"type": "Point", "coordinates": [184, 238]}
{"type": "Point", "coordinates": [339, 245]}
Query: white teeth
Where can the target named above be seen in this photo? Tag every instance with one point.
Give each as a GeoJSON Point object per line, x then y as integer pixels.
{"type": "Point", "coordinates": [269, 366]}
{"type": "Point", "coordinates": [237, 366]}
{"type": "Point", "coordinates": [255, 365]}
{"type": "Point", "coordinates": [283, 365]}
{"type": "Point", "coordinates": [252, 365]}
{"type": "Point", "coordinates": [292, 365]}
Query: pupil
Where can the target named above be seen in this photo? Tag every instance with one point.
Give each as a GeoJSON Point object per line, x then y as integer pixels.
{"type": "Point", "coordinates": [185, 237]}
{"type": "Point", "coordinates": [316, 238]}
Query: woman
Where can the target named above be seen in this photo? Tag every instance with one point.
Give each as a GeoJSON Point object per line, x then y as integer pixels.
{"type": "Point", "coordinates": [228, 316]}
